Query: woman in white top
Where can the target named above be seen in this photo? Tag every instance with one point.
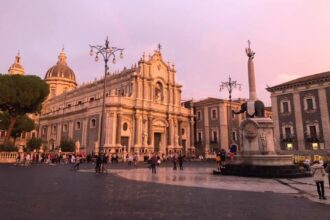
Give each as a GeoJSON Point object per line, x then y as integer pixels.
{"type": "Point", "coordinates": [318, 175]}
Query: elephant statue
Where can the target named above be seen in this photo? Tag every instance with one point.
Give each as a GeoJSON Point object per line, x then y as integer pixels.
{"type": "Point", "coordinates": [259, 110]}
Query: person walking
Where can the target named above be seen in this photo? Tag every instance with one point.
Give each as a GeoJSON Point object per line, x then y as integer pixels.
{"type": "Point", "coordinates": [77, 163]}
{"type": "Point", "coordinates": [174, 160]}
{"type": "Point", "coordinates": [180, 159]}
{"type": "Point", "coordinates": [153, 163]}
{"type": "Point", "coordinates": [318, 175]}
{"type": "Point", "coordinates": [98, 164]}
{"type": "Point", "coordinates": [223, 158]}
{"type": "Point", "coordinates": [327, 169]}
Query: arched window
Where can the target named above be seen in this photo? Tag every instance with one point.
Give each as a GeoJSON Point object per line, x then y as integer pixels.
{"type": "Point", "coordinates": [93, 123]}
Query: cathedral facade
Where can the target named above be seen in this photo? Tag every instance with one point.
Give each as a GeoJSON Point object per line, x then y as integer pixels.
{"type": "Point", "coordinates": [143, 110]}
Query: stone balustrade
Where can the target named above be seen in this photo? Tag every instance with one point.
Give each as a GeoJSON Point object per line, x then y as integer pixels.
{"type": "Point", "coordinates": [8, 157]}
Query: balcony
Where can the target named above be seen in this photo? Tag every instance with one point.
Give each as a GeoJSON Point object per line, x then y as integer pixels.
{"type": "Point", "coordinates": [287, 138]}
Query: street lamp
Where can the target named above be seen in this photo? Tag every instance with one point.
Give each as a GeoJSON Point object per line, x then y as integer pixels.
{"type": "Point", "coordinates": [230, 86]}
{"type": "Point", "coordinates": [107, 52]}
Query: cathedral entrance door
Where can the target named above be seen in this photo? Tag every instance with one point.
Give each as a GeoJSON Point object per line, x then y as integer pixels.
{"type": "Point", "coordinates": [124, 143]}
{"type": "Point", "coordinates": [157, 141]}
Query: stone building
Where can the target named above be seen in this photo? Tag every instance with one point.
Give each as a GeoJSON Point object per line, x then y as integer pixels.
{"type": "Point", "coordinates": [301, 112]}
{"type": "Point", "coordinates": [143, 111]}
{"type": "Point", "coordinates": [213, 128]}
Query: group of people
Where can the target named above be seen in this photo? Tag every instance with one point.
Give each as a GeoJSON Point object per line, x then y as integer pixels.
{"type": "Point", "coordinates": [176, 159]}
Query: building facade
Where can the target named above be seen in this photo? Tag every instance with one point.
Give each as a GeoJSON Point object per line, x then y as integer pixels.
{"type": "Point", "coordinates": [301, 112]}
{"type": "Point", "coordinates": [143, 111]}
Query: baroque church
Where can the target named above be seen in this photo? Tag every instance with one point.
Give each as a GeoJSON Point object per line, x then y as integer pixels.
{"type": "Point", "coordinates": [143, 110]}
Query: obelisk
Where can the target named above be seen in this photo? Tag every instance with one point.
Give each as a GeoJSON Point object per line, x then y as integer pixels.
{"type": "Point", "coordinates": [252, 80]}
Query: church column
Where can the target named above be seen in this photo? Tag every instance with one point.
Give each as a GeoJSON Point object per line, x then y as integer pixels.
{"type": "Point", "coordinates": [59, 134]}
{"type": "Point", "coordinates": [150, 132]}
{"type": "Point", "coordinates": [299, 122]}
{"type": "Point", "coordinates": [118, 138]}
{"type": "Point", "coordinates": [70, 132]}
{"type": "Point", "coordinates": [84, 133]}
{"type": "Point", "coordinates": [108, 128]}
{"type": "Point", "coordinates": [324, 117]}
{"type": "Point", "coordinates": [192, 132]}
{"type": "Point", "coordinates": [276, 122]}
{"type": "Point", "coordinates": [179, 131]}
{"type": "Point", "coordinates": [136, 130]}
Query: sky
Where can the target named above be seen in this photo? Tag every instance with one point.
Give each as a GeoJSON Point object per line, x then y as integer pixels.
{"type": "Point", "coordinates": [206, 39]}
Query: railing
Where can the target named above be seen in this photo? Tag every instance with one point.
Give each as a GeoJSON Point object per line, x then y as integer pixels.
{"type": "Point", "coordinates": [8, 157]}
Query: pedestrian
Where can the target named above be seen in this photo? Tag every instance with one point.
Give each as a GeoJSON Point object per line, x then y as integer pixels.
{"type": "Point", "coordinates": [98, 164]}
{"type": "Point", "coordinates": [105, 159]}
{"type": "Point", "coordinates": [180, 159]}
{"type": "Point", "coordinates": [174, 160]}
{"type": "Point", "coordinates": [232, 151]}
{"type": "Point", "coordinates": [318, 175]}
{"type": "Point", "coordinates": [327, 169]}
{"type": "Point", "coordinates": [153, 163]}
{"type": "Point", "coordinates": [218, 160]}
{"type": "Point", "coordinates": [223, 158]}
{"type": "Point", "coordinates": [77, 163]}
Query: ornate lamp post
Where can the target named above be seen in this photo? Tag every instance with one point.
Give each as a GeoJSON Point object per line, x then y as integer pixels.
{"type": "Point", "coordinates": [230, 86]}
{"type": "Point", "coordinates": [107, 52]}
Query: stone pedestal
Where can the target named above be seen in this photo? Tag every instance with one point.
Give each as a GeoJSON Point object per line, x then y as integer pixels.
{"type": "Point", "coordinates": [257, 156]}
{"type": "Point", "coordinates": [258, 145]}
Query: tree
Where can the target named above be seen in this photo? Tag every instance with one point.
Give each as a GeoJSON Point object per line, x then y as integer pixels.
{"type": "Point", "coordinates": [34, 144]}
{"type": "Point", "coordinates": [67, 145]}
{"type": "Point", "coordinates": [20, 95]}
{"type": "Point", "coordinates": [23, 124]}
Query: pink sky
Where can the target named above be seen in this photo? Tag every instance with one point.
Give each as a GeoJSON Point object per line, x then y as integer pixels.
{"type": "Point", "coordinates": [205, 39]}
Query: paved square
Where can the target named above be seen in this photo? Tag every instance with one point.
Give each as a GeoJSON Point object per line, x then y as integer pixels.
{"type": "Point", "coordinates": [57, 192]}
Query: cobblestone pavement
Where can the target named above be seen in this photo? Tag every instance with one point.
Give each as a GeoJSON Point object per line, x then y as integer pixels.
{"type": "Point", "coordinates": [57, 192]}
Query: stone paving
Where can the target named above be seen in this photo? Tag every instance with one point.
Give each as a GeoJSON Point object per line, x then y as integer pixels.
{"type": "Point", "coordinates": [202, 177]}
{"type": "Point", "coordinates": [57, 192]}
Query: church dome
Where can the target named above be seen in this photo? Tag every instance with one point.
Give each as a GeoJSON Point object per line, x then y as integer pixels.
{"type": "Point", "coordinates": [61, 70]}
{"type": "Point", "coordinates": [17, 68]}
{"type": "Point", "coordinates": [60, 77]}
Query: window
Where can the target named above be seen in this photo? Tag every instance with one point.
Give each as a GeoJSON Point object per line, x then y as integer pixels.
{"type": "Point", "coordinates": [199, 137]}
{"type": "Point", "coordinates": [312, 131]}
{"type": "Point", "coordinates": [91, 99]}
{"type": "Point", "coordinates": [287, 131]}
{"type": "Point", "coordinates": [215, 137]}
{"type": "Point", "coordinates": [125, 126]}
{"type": "Point", "coordinates": [214, 114]}
{"type": "Point", "coordinates": [65, 127]}
{"type": "Point", "coordinates": [234, 135]}
{"type": "Point", "coordinates": [182, 131]}
{"type": "Point", "coordinates": [79, 103]}
{"type": "Point", "coordinates": [93, 123]}
{"type": "Point", "coordinates": [69, 105]}
{"type": "Point", "coordinates": [285, 107]}
{"type": "Point", "coordinates": [33, 135]}
{"type": "Point", "coordinates": [315, 146]}
{"type": "Point", "coordinates": [309, 103]}
{"type": "Point", "coordinates": [78, 125]}
{"type": "Point", "coordinates": [199, 116]}
{"type": "Point", "coordinates": [54, 129]}
{"type": "Point", "coordinates": [44, 130]}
